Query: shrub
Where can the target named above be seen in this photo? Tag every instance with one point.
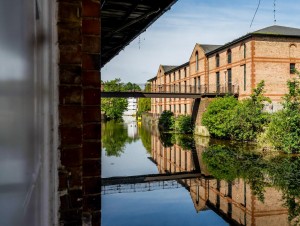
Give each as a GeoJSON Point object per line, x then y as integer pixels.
{"type": "Point", "coordinates": [284, 129]}
{"type": "Point", "coordinates": [184, 124]}
{"type": "Point", "coordinates": [248, 121]}
{"type": "Point", "coordinates": [166, 120]}
{"type": "Point", "coordinates": [218, 116]}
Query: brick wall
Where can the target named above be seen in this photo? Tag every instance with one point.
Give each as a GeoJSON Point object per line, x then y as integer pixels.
{"type": "Point", "coordinates": [79, 111]}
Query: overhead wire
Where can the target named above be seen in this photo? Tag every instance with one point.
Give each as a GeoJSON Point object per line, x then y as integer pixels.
{"type": "Point", "coordinates": [255, 13]}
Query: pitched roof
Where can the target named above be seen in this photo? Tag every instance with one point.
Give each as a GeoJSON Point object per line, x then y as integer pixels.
{"type": "Point", "coordinates": [208, 48]}
{"type": "Point", "coordinates": [278, 30]}
{"type": "Point", "coordinates": [274, 30]}
{"type": "Point", "coordinates": [168, 67]}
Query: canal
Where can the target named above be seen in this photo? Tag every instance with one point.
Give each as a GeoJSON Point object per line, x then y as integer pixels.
{"type": "Point", "coordinates": [153, 178]}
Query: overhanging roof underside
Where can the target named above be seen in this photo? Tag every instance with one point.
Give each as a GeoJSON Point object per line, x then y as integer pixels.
{"type": "Point", "coordinates": [122, 21]}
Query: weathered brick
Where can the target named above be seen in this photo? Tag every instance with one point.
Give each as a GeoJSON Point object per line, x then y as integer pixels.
{"type": "Point", "coordinates": [91, 96]}
{"type": "Point", "coordinates": [70, 95]}
{"type": "Point", "coordinates": [70, 136]}
{"type": "Point", "coordinates": [69, 33]}
{"type": "Point", "coordinates": [91, 114]}
{"type": "Point", "coordinates": [91, 26]}
{"type": "Point", "coordinates": [91, 149]}
{"type": "Point", "coordinates": [91, 168]}
{"type": "Point", "coordinates": [70, 54]}
{"type": "Point", "coordinates": [91, 61]}
{"type": "Point", "coordinates": [91, 78]}
{"type": "Point", "coordinates": [75, 177]}
{"type": "Point", "coordinates": [70, 75]}
{"type": "Point", "coordinates": [69, 11]}
{"type": "Point", "coordinates": [96, 217]}
{"type": "Point", "coordinates": [70, 115]}
{"type": "Point", "coordinates": [72, 217]}
{"type": "Point", "coordinates": [92, 203]}
{"type": "Point", "coordinates": [92, 131]}
{"type": "Point", "coordinates": [91, 44]}
{"type": "Point", "coordinates": [91, 185]}
{"type": "Point", "coordinates": [63, 180]}
{"type": "Point", "coordinates": [91, 8]}
{"type": "Point", "coordinates": [71, 157]}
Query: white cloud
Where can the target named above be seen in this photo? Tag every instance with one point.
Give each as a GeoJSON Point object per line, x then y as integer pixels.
{"type": "Point", "coordinates": [172, 37]}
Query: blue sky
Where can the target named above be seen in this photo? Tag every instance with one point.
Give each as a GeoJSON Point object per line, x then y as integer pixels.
{"type": "Point", "coordinates": [171, 39]}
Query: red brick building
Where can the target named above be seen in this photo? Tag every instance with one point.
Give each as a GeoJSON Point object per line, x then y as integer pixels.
{"type": "Point", "coordinates": [269, 54]}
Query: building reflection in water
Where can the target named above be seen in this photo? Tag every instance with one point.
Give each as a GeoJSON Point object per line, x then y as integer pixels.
{"type": "Point", "coordinates": [131, 123]}
{"type": "Point", "coordinates": [234, 201]}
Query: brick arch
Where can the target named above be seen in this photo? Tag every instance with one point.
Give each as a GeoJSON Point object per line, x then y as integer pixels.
{"type": "Point", "coordinates": [292, 50]}
{"type": "Point", "coordinates": [242, 50]}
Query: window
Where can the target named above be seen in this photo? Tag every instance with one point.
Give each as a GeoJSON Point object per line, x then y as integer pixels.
{"type": "Point", "coordinates": [245, 51]}
{"type": "Point", "coordinates": [218, 82]}
{"type": "Point", "coordinates": [174, 76]}
{"type": "Point", "coordinates": [229, 80]}
{"type": "Point", "coordinates": [179, 74]}
{"type": "Point", "coordinates": [179, 108]}
{"type": "Point", "coordinates": [229, 56]}
{"type": "Point", "coordinates": [195, 84]}
{"type": "Point", "coordinates": [197, 63]}
{"type": "Point", "coordinates": [185, 72]}
{"type": "Point", "coordinates": [199, 85]}
{"type": "Point", "coordinates": [245, 78]}
{"type": "Point", "coordinates": [292, 68]}
{"type": "Point", "coordinates": [174, 108]}
{"type": "Point", "coordinates": [170, 107]}
{"type": "Point", "coordinates": [217, 60]}
{"type": "Point", "coordinates": [185, 109]}
{"type": "Point", "coordinates": [185, 86]}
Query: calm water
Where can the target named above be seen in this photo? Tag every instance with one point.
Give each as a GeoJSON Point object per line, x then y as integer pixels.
{"type": "Point", "coordinates": [163, 179]}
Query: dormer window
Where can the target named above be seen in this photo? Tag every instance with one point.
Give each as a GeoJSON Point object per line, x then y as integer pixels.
{"type": "Point", "coordinates": [229, 57]}
{"type": "Point", "coordinates": [217, 60]}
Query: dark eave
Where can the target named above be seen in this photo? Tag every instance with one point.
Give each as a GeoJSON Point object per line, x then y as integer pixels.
{"type": "Point", "coordinates": [152, 79]}
{"type": "Point", "coordinates": [177, 68]}
{"type": "Point", "coordinates": [123, 21]}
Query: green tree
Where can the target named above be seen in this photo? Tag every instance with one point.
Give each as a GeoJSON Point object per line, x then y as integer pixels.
{"type": "Point", "coordinates": [184, 124]}
{"type": "Point", "coordinates": [249, 119]}
{"type": "Point", "coordinates": [131, 87]}
{"type": "Point", "coordinates": [114, 137]}
{"type": "Point", "coordinates": [218, 116]}
{"type": "Point", "coordinates": [144, 104]}
{"type": "Point", "coordinates": [284, 129]}
{"type": "Point", "coordinates": [145, 136]}
{"type": "Point", "coordinates": [229, 163]}
{"type": "Point", "coordinates": [166, 120]}
{"type": "Point", "coordinates": [113, 107]}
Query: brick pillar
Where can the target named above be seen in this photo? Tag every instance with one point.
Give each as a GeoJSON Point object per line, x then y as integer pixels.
{"type": "Point", "coordinates": [91, 110]}
{"type": "Point", "coordinates": [79, 111]}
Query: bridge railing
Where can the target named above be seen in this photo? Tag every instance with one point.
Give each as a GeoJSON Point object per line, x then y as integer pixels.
{"type": "Point", "coordinates": [175, 88]}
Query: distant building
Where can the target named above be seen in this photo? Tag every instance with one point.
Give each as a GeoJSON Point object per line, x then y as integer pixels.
{"type": "Point", "coordinates": [132, 106]}
{"type": "Point", "coordinates": [270, 54]}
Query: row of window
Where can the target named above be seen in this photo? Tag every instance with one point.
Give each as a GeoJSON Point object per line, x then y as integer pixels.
{"type": "Point", "coordinates": [229, 57]}
{"type": "Point", "coordinates": [179, 75]}
{"type": "Point", "coordinates": [173, 108]}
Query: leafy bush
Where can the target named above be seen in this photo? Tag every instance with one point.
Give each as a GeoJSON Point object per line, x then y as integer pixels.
{"type": "Point", "coordinates": [218, 116]}
{"type": "Point", "coordinates": [244, 120]}
{"type": "Point", "coordinates": [184, 124]}
{"type": "Point", "coordinates": [284, 129]}
{"type": "Point", "coordinates": [166, 120]}
{"type": "Point", "coordinates": [249, 118]}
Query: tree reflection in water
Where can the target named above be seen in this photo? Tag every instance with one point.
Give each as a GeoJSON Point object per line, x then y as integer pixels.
{"type": "Point", "coordinates": [114, 137]}
{"type": "Point", "coordinates": [282, 172]}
